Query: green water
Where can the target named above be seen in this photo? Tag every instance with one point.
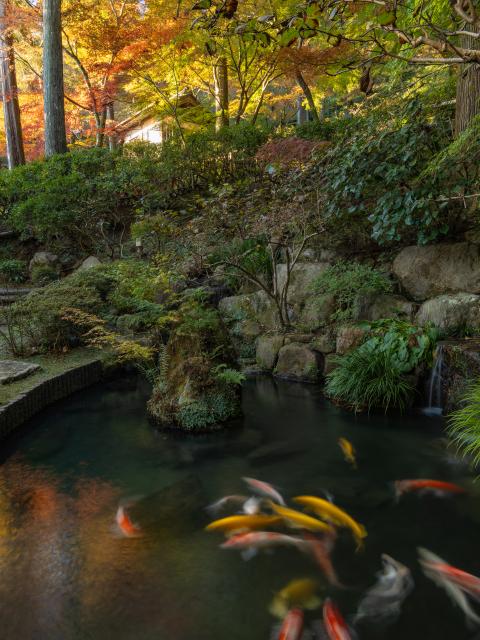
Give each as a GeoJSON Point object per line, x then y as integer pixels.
{"type": "Point", "coordinates": [66, 574]}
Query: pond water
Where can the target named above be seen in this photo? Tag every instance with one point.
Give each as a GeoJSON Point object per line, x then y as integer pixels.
{"type": "Point", "coordinates": [66, 574]}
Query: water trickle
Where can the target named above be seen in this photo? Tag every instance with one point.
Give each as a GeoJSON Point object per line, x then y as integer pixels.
{"type": "Point", "coordinates": [435, 385]}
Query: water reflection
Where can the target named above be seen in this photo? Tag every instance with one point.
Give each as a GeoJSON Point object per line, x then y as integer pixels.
{"type": "Point", "coordinates": [66, 574]}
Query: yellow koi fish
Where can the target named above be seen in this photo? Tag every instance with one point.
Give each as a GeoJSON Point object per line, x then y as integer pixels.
{"type": "Point", "coordinates": [233, 524]}
{"type": "Point", "coordinates": [299, 520]}
{"type": "Point", "coordinates": [298, 593]}
{"type": "Point", "coordinates": [335, 515]}
{"type": "Point", "coordinates": [348, 451]}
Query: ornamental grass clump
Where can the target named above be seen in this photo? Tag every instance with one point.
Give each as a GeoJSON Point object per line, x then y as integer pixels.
{"type": "Point", "coordinates": [464, 424]}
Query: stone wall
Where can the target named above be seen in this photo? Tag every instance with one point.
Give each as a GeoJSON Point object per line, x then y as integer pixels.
{"type": "Point", "coordinates": [25, 406]}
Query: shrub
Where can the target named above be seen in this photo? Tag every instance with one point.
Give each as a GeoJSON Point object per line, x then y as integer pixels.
{"type": "Point", "coordinates": [209, 411]}
{"type": "Point", "coordinates": [349, 282]}
{"type": "Point", "coordinates": [464, 424]}
{"type": "Point", "coordinates": [12, 270]}
{"type": "Point", "coordinates": [367, 379]}
{"type": "Point", "coordinates": [43, 274]}
{"type": "Point", "coordinates": [373, 375]}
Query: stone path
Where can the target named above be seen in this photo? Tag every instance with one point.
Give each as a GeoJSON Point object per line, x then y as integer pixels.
{"type": "Point", "coordinates": [12, 370]}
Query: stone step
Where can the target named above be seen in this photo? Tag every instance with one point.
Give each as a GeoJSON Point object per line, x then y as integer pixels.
{"type": "Point", "coordinates": [8, 296]}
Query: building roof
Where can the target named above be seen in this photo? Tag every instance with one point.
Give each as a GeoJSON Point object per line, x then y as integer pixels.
{"type": "Point", "coordinates": [185, 100]}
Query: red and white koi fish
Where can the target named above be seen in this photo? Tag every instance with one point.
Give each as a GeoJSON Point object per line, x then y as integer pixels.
{"type": "Point", "coordinates": [125, 524]}
{"type": "Point", "coordinates": [320, 548]}
{"type": "Point", "coordinates": [252, 542]}
{"type": "Point", "coordinates": [335, 625]}
{"type": "Point", "coordinates": [264, 489]}
{"type": "Point", "coordinates": [292, 626]}
{"type": "Point", "coordinates": [437, 487]}
{"type": "Point", "coordinates": [457, 583]}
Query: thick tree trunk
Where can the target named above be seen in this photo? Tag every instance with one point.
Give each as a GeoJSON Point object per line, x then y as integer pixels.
{"type": "Point", "coordinates": [468, 86]}
{"type": "Point", "coordinates": [220, 74]}
{"type": "Point", "coordinates": [53, 91]}
{"type": "Point", "coordinates": [308, 95]}
{"type": "Point", "coordinates": [11, 108]}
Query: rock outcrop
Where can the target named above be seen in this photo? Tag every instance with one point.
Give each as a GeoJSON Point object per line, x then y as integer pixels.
{"type": "Point", "coordinates": [296, 361]}
{"type": "Point", "coordinates": [427, 272]}
{"type": "Point", "coordinates": [450, 313]}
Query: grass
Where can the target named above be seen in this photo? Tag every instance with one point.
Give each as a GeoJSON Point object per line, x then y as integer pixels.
{"type": "Point", "coordinates": [464, 425]}
{"type": "Point", "coordinates": [52, 365]}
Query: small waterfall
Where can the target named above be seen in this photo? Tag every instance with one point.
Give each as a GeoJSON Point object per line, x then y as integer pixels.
{"type": "Point", "coordinates": [435, 385]}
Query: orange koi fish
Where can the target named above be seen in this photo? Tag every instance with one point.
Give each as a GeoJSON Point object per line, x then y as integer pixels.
{"type": "Point", "coordinates": [292, 626]}
{"type": "Point", "coordinates": [250, 543]}
{"type": "Point", "coordinates": [335, 625]}
{"type": "Point", "coordinates": [264, 489]}
{"type": "Point", "coordinates": [437, 487]}
{"type": "Point", "coordinates": [125, 524]}
{"type": "Point", "coordinates": [320, 548]}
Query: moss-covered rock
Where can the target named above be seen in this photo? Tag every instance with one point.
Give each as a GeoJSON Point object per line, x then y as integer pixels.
{"type": "Point", "coordinates": [197, 389]}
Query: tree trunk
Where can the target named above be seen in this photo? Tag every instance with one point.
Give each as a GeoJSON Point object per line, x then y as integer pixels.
{"type": "Point", "coordinates": [308, 95]}
{"type": "Point", "coordinates": [112, 136]}
{"type": "Point", "coordinates": [11, 108]}
{"type": "Point", "coordinates": [53, 91]}
{"type": "Point", "coordinates": [101, 120]}
{"type": "Point", "coordinates": [220, 74]}
{"type": "Point", "coordinates": [468, 85]}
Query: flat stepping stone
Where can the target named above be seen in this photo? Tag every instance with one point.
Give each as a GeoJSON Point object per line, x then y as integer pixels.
{"type": "Point", "coordinates": [12, 370]}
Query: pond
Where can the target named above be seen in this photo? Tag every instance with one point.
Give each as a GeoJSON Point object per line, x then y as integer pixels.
{"type": "Point", "coordinates": [67, 574]}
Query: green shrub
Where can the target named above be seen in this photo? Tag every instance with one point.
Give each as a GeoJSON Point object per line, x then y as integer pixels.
{"type": "Point", "coordinates": [464, 424]}
{"type": "Point", "coordinates": [12, 270]}
{"type": "Point", "coordinates": [349, 282]}
{"type": "Point", "coordinates": [373, 374]}
{"type": "Point", "coordinates": [367, 380]}
{"type": "Point", "coordinates": [43, 274]}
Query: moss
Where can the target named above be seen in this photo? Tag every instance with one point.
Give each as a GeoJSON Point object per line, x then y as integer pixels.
{"type": "Point", "coordinates": [50, 366]}
{"type": "Point", "coordinates": [210, 411]}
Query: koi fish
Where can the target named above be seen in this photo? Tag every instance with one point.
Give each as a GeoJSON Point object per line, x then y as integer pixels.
{"type": "Point", "coordinates": [335, 625]}
{"type": "Point", "coordinates": [264, 489]}
{"type": "Point", "coordinates": [252, 542]}
{"type": "Point", "coordinates": [292, 626]}
{"type": "Point", "coordinates": [437, 487]}
{"type": "Point", "coordinates": [299, 520]}
{"type": "Point", "coordinates": [348, 451]}
{"type": "Point", "coordinates": [333, 514]}
{"type": "Point", "coordinates": [320, 550]}
{"type": "Point", "coordinates": [298, 593]}
{"type": "Point", "coordinates": [457, 583]}
{"type": "Point", "coordinates": [250, 506]}
{"type": "Point", "coordinates": [233, 524]}
{"type": "Point", "coordinates": [225, 503]}
{"type": "Point", "coordinates": [125, 524]}
{"type": "Point", "coordinates": [384, 600]}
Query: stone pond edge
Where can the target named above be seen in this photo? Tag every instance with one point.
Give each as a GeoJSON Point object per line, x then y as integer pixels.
{"type": "Point", "coordinates": [58, 387]}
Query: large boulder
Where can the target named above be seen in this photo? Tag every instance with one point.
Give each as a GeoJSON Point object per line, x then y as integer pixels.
{"type": "Point", "coordinates": [451, 312]}
{"type": "Point", "coordinates": [426, 272]}
{"type": "Point", "coordinates": [256, 306]}
{"type": "Point", "coordinates": [89, 263]}
{"type": "Point", "coordinates": [298, 362]}
{"type": "Point", "coordinates": [301, 279]}
{"type": "Point", "coordinates": [267, 351]}
{"type": "Point", "coordinates": [316, 312]}
{"type": "Point", "coordinates": [44, 258]}
{"type": "Point", "coordinates": [377, 306]}
{"type": "Point", "coordinates": [348, 338]}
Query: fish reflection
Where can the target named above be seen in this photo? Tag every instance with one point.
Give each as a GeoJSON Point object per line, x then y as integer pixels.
{"type": "Point", "coordinates": [384, 600]}
{"type": "Point", "coordinates": [457, 583]}
{"type": "Point", "coordinates": [300, 593]}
